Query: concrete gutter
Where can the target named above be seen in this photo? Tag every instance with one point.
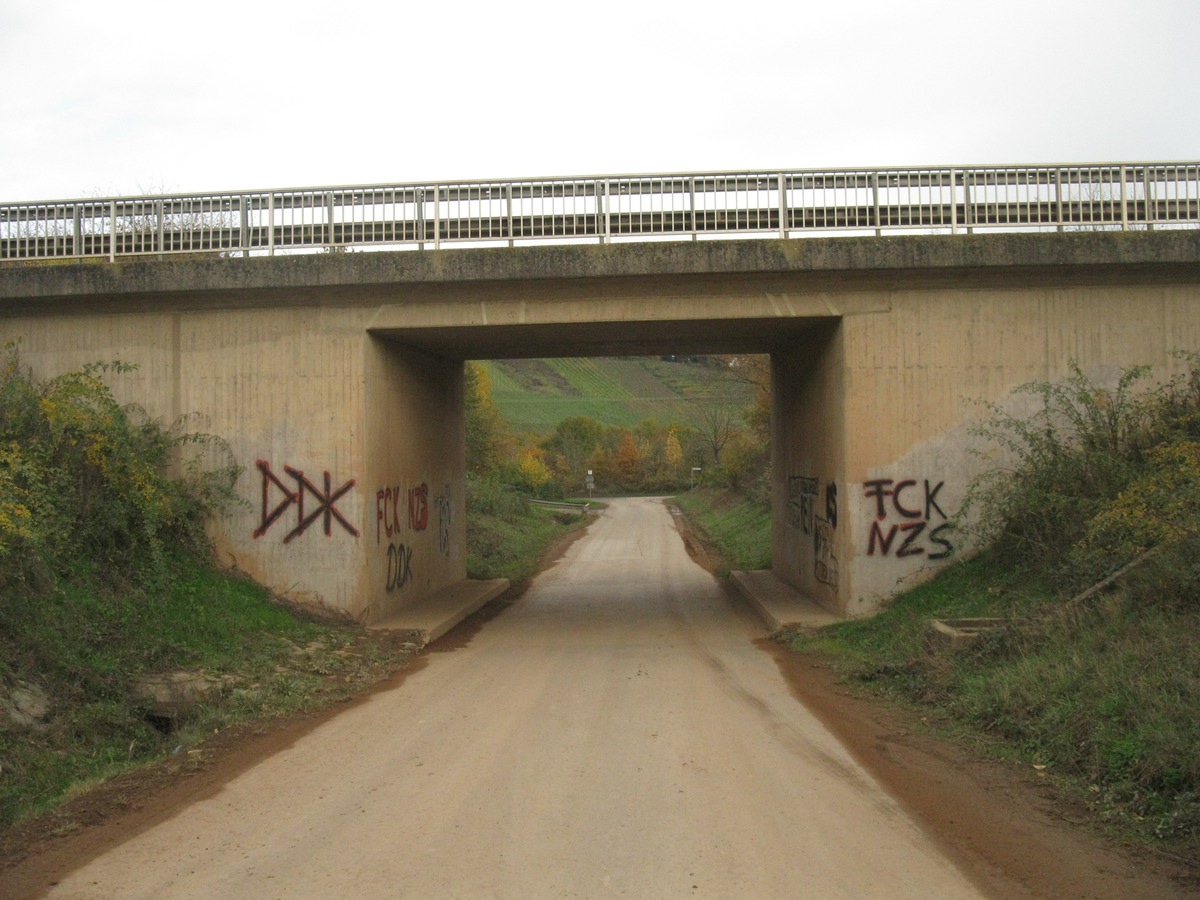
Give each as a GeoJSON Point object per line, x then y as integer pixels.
{"type": "Point", "coordinates": [778, 603]}
{"type": "Point", "coordinates": [435, 615]}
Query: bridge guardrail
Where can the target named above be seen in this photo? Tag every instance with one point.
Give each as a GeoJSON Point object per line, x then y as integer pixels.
{"type": "Point", "coordinates": [799, 203]}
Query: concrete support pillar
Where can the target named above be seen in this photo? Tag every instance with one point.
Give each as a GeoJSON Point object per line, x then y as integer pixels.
{"type": "Point", "coordinates": [415, 529]}
{"type": "Point", "coordinates": [808, 453]}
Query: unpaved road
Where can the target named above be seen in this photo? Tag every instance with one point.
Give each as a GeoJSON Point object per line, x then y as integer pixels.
{"type": "Point", "coordinates": [616, 732]}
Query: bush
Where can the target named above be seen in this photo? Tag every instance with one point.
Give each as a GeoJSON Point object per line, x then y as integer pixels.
{"type": "Point", "coordinates": [1071, 457]}
{"type": "Point", "coordinates": [82, 477]}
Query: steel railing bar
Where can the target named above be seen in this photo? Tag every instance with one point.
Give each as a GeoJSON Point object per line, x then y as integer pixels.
{"type": "Point", "coordinates": [778, 203]}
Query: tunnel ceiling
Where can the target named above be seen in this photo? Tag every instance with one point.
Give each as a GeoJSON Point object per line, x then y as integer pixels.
{"type": "Point", "coordinates": [627, 338]}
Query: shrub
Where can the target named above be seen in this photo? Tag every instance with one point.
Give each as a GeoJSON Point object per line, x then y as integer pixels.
{"type": "Point", "coordinates": [83, 477]}
{"type": "Point", "coordinates": [1070, 459]}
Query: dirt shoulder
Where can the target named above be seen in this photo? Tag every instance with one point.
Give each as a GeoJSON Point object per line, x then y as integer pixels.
{"type": "Point", "coordinates": [1004, 823]}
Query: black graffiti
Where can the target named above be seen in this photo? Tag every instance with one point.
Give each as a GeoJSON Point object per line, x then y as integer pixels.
{"type": "Point", "coordinates": [915, 537]}
{"type": "Point", "coordinates": [399, 566]}
{"type": "Point", "coordinates": [831, 504]}
{"type": "Point", "coordinates": [912, 531]}
{"type": "Point", "coordinates": [326, 502]}
{"type": "Point", "coordinates": [886, 487]}
{"type": "Point", "coordinates": [825, 566]}
{"type": "Point", "coordinates": [444, 522]}
{"type": "Point", "coordinates": [802, 496]}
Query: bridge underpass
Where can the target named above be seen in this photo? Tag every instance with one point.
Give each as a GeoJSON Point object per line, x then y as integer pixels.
{"type": "Point", "coordinates": [337, 379]}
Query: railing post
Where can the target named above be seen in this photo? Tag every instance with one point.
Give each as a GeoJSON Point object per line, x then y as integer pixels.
{"type": "Point", "coordinates": [77, 230]}
{"type": "Point", "coordinates": [1124, 203]}
{"type": "Point", "coordinates": [1146, 211]}
{"type": "Point", "coordinates": [783, 206]}
{"type": "Point", "coordinates": [437, 217]}
{"type": "Point", "coordinates": [419, 222]}
{"type": "Point", "coordinates": [243, 225]}
{"type": "Point", "coordinates": [1058, 192]}
{"type": "Point", "coordinates": [509, 192]}
{"type": "Point", "coordinates": [875, 190]}
{"type": "Point", "coordinates": [606, 237]}
{"type": "Point", "coordinates": [162, 226]}
{"type": "Point", "coordinates": [112, 230]}
{"type": "Point", "coordinates": [968, 209]}
{"type": "Point", "coordinates": [271, 223]}
{"type": "Point", "coordinates": [329, 218]}
{"type": "Point", "coordinates": [692, 207]}
{"type": "Point", "coordinates": [953, 201]}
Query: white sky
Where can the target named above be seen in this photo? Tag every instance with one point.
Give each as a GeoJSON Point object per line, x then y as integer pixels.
{"type": "Point", "coordinates": [144, 96]}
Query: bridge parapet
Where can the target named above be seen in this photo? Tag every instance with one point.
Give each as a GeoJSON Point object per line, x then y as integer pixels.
{"type": "Point", "coordinates": [609, 208]}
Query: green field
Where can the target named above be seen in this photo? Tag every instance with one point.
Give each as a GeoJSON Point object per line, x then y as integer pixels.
{"type": "Point", "coordinates": [535, 395]}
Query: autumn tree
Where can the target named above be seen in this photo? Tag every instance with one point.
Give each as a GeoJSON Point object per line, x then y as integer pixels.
{"type": "Point", "coordinates": [487, 435]}
{"type": "Point", "coordinates": [673, 452]}
{"type": "Point", "coordinates": [533, 470]}
{"type": "Point", "coordinates": [629, 462]}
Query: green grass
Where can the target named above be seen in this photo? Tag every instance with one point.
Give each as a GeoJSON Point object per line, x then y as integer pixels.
{"type": "Point", "coordinates": [506, 535]}
{"type": "Point", "coordinates": [85, 646]}
{"type": "Point", "coordinates": [738, 527]}
{"type": "Point", "coordinates": [535, 395]}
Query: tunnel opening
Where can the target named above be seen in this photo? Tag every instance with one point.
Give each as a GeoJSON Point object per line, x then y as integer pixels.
{"type": "Point", "coordinates": [798, 360]}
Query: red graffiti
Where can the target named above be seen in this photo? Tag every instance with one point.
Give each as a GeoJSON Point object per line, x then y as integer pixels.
{"type": "Point", "coordinates": [418, 507]}
{"type": "Point", "coordinates": [387, 512]}
{"type": "Point", "coordinates": [326, 502]}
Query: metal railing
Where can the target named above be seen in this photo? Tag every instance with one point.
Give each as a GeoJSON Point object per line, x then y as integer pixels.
{"type": "Point", "coordinates": [695, 206]}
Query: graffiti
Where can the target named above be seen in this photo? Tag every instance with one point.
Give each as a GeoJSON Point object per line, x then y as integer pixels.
{"type": "Point", "coordinates": [387, 512]}
{"type": "Point", "coordinates": [826, 566]}
{"type": "Point", "coordinates": [444, 521]}
{"type": "Point", "coordinates": [802, 499]}
{"type": "Point", "coordinates": [803, 491]}
{"type": "Point", "coordinates": [916, 504]}
{"type": "Point", "coordinates": [326, 507]}
{"type": "Point", "coordinates": [418, 507]}
{"type": "Point", "coordinates": [399, 566]}
{"type": "Point", "coordinates": [388, 519]}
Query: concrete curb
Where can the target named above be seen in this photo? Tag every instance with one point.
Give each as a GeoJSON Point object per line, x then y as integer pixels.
{"type": "Point", "coordinates": [434, 616]}
{"type": "Point", "coordinates": [778, 603]}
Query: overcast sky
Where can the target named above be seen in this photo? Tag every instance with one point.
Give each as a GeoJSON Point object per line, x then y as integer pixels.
{"type": "Point", "coordinates": [145, 96]}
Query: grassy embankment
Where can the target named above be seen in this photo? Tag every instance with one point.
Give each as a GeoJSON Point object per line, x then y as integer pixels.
{"type": "Point", "coordinates": [507, 535]}
{"type": "Point", "coordinates": [738, 527]}
{"type": "Point", "coordinates": [1098, 690]}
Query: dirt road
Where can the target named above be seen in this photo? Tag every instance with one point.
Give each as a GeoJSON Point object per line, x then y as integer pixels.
{"type": "Point", "coordinates": [614, 733]}
{"type": "Point", "coordinates": [618, 731]}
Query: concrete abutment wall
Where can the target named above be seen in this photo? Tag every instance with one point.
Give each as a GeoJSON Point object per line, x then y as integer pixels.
{"type": "Point", "coordinates": [876, 439]}
{"type": "Point", "coordinates": [351, 448]}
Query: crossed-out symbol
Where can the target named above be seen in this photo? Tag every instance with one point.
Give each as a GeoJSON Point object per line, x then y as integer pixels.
{"type": "Point", "coordinates": [325, 502]}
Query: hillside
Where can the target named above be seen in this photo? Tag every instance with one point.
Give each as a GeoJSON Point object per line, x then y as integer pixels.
{"type": "Point", "coordinates": [534, 395]}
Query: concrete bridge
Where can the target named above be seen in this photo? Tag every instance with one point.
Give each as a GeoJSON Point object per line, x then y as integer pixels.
{"type": "Point", "coordinates": [337, 378]}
